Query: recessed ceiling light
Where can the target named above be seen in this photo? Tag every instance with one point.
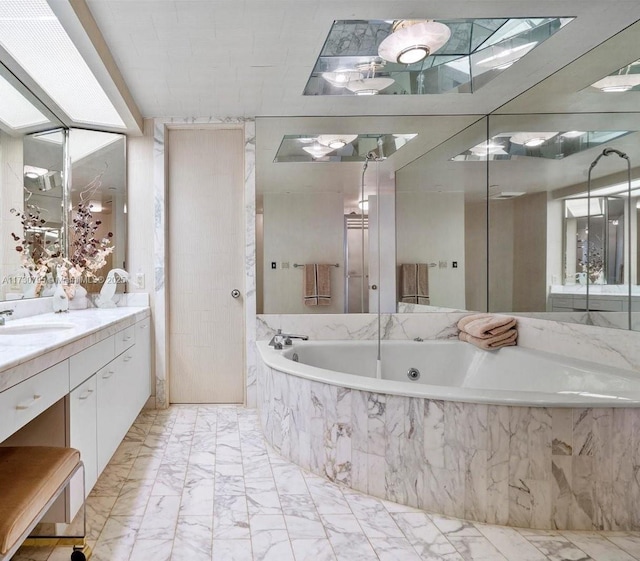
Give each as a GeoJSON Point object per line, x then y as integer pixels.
{"type": "Point", "coordinates": [15, 110]}
{"type": "Point", "coordinates": [413, 40]}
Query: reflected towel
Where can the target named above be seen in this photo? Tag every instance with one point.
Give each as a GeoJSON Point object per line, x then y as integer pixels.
{"type": "Point", "coordinates": [317, 284]}
{"type": "Point", "coordinates": [505, 339]}
{"type": "Point", "coordinates": [484, 326]}
{"type": "Point", "coordinates": [414, 283]}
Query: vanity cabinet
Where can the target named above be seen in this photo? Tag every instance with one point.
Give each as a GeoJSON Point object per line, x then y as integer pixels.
{"type": "Point", "coordinates": [98, 393]}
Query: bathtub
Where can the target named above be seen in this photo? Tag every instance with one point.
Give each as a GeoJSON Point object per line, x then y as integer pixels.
{"type": "Point", "coordinates": [513, 437]}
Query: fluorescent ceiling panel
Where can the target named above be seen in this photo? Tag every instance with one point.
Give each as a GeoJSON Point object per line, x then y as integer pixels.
{"type": "Point", "coordinates": [33, 36]}
{"type": "Point", "coordinates": [15, 110]}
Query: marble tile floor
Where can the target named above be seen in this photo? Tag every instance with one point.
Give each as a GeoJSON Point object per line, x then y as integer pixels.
{"type": "Point", "coordinates": [199, 483]}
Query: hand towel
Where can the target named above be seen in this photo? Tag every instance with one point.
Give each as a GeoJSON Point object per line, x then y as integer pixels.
{"type": "Point", "coordinates": [504, 339]}
{"type": "Point", "coordinates": [317, 284]}
{"type": "Point", "coordinates": [414, 283]}
{"type": "Point", "coordinates": [485, 326]}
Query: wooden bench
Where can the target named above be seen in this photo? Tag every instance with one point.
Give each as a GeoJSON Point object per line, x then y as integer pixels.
{"type": "Point", "coordinates": [31, 479]}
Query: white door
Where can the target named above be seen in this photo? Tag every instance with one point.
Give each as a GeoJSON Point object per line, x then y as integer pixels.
{"type": "Point", "coordinates": [206, 265]}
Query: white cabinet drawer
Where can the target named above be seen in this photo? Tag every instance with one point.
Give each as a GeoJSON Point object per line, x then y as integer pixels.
{"type": "Point", "coordinates": [87, 362]}
{"type": "Point", "coordinates": [125, 339]}
{"type": "Point", "coordinates": [25, 401]}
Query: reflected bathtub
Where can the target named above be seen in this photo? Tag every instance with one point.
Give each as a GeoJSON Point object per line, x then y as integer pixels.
{"type": "Point", "coordinates": [514, 437]}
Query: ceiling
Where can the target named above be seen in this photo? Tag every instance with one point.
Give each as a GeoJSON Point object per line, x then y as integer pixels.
{"type": "Point", "coordinates": [252, 58]}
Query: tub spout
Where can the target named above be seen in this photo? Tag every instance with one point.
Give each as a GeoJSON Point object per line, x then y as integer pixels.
{"type": "Point", "coordinates": [285, 338]}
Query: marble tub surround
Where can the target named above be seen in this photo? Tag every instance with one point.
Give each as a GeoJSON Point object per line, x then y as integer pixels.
{"type": "Point", "coordinates": [23, 355]}
{"type": "Point", "coordinates": [529, 467]}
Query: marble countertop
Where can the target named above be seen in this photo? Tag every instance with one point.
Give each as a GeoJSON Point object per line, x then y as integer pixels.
{"type": "Point", "coordinates": [23, 355]}
{"type": "Point", "coordinates": [594, 289]}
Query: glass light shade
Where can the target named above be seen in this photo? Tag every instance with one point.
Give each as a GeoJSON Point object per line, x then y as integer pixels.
{"type": "Point", "coordinates": [336, 141]}
{"type": "Point", "coordinates": [414, 42]}
{"type": "Point", "coordinates": [33, 172]}
{"type": "Point", "coordinates": [341, 77]}
{"type": "Point", "coordinates": [369, 86]}
{"type": "Point", "coordinates": [572, 134]}
{"type": "Point", "coordinates": [492, 149]}
{"type": "Point", "coordinates": [531, 139]}
{"type": "Point", "coordinates": [317, 150]}
{"type": "Point", "coordinates": [364, 205]}
{"type": "Point", "coordinates": [617, 83]}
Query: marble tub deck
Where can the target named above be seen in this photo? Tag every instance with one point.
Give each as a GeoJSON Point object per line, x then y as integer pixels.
{"type": "Point", "coordinates": [200, 483]}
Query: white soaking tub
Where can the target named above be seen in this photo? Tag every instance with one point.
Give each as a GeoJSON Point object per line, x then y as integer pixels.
{"type": "Point", "coordinates": [514, 436]}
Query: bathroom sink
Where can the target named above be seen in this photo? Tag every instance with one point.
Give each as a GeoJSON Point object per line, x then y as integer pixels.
{"type": "Point", "coordinates": [34, 328]}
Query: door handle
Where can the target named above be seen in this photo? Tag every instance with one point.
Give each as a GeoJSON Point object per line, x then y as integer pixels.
{"type": "Point", "coordinates": [28, 403]}
{"type": "Point", "coordinates": [235, 293]}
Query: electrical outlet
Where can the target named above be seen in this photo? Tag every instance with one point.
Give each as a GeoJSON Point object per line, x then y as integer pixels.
{"type": "Point", "coordinates": [140, 280]}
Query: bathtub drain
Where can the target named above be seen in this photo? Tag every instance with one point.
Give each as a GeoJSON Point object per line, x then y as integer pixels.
{"type": "Point", "coordinates": [413, 374]}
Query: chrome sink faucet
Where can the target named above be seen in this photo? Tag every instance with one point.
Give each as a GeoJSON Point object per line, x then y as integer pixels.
{"type": "Point", "coordinates": [4, 313]}
{"type": "Point", "coordinates": [280, 339]}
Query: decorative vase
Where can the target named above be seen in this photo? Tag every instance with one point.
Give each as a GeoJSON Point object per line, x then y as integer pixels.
{"type": "Point", "coordinates": [79, 300]}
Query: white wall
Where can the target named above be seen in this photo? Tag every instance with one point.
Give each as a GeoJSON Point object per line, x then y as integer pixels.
{"type": "Point", "coordinates": [302, 228]}
{"type": "Point", "coordinates": [11, 196]}
{"type": "Point", "coordinates": [141, 216]}
{"type": "Point", "coordinates": [382, 254]}
{"type": "Point", "coordinates": [431, 228]}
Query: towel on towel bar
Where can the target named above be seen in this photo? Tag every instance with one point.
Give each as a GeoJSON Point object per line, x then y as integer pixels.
{"type": "Point", "coordinates": [415, 283]}
{"type": "Point", "coordinates": [485, 326]}
{"type": "Point", "coordinates": [505, 339]}
{"type": "Point", "coordinates": [317, 284]}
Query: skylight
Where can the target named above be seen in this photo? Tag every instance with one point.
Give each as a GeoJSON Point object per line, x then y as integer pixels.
{"type": "Point", "coordinates": [355, 57]}
{"type": "Point", "coordinates": [15, 110]}
{"type": "Point", "coordinates": [31, 34]}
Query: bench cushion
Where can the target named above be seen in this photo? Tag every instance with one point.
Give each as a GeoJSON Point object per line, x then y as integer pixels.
{"type": "Point", "coordinates": [29, 476]}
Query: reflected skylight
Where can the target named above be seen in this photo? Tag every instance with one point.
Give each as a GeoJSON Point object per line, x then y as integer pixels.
{"type": "Point", "coordinates": [476, 52]}
{"type": "Point", "coordinates": [15, 110]}
{"type": "Point", "coordinates": [31, 34]}
{"type": "Point", "coordinates": [535, 144]}
{"type": "Point", "coordinates": [339, 147]}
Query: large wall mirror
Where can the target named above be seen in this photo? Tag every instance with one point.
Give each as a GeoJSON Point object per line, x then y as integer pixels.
{"type": "Point", "coordinates": [490, 213]}
{"type": "Point", "coordinates": [47, 175]}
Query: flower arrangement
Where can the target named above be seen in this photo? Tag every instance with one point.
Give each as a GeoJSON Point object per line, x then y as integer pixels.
{"type": "Point", "coordinates": [46, 265]}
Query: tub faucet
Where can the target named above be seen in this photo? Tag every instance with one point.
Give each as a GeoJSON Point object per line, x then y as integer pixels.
{"type": "Point", "coordinates": [284, 338]}
{"type": "Point", "coordinates": [4, 313]}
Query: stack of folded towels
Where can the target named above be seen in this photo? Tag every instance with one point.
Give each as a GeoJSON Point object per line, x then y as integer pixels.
{"type": "Point", "coordinates": [488, 331]}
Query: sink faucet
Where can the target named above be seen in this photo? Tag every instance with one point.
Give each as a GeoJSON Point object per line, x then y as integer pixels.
{"type": "Point", "coordinates": [4, 313]}
{"type": "Point", "coordinates": [284, 338]}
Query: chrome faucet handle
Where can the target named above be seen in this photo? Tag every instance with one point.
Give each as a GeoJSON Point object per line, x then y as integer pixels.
{"type": "Point", "coordinates": [4, 313]}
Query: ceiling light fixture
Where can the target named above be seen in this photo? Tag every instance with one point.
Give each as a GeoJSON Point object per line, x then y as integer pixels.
{"type": "Point", "coordinates": [623, 81]}
{"type": "Point", "coordinates": [369, 86]}
{"type": "Point", "coordinates": [342, 76]}
{"type": "Point", "coordinates": [33, 172]}
{"type": "Point", "coordinates": [491, 148]}
{"type": "Point", "coordinates": [336, 141]}
{"type": "Point", "coordinates": [317, 150]}
{"type": "Point", "coordinates": [572, 134]}
{"type": "Point", "coordinates": [531, 139]}
{"type": "Point", "coordinates": [413, 40]}
{"type": "Point", "coordinates": [364, 205]}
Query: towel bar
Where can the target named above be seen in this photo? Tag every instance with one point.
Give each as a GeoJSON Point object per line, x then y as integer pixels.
{"type": "Point", "coordinates": [298, 265]}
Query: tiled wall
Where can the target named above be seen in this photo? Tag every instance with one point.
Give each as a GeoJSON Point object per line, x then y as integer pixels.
{"type": "Point", "coordinates": [521, 466]}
